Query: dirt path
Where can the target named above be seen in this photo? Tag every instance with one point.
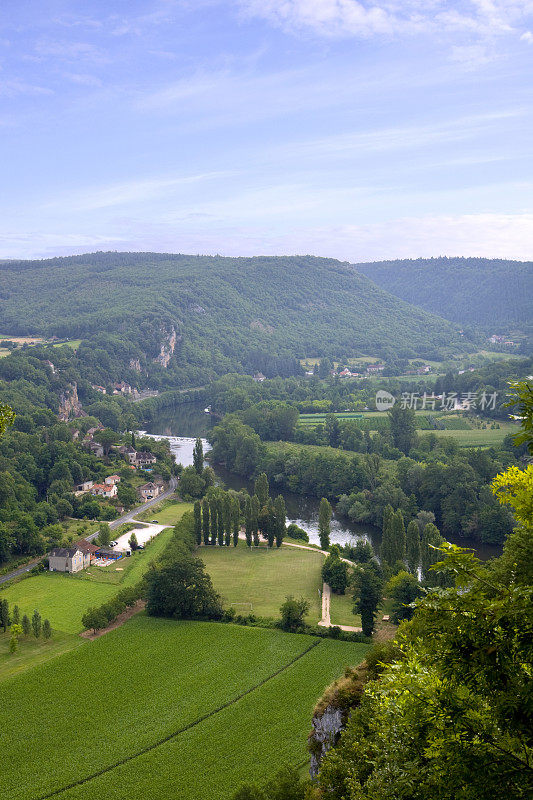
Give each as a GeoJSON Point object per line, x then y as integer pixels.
{"type": "Point", "coordinates": [325, 622]}
{"type": "Point", "coordinates": [120, 620]}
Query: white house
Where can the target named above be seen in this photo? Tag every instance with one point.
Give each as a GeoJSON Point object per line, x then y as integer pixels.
{"type": "Point", "coordinates": [104, 490]}
{"type": "Point", "coordinates": [67, 559]}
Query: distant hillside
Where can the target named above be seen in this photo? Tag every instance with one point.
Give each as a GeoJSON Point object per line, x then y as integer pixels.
{"type": "Point", "coordinates": [477, 291]}
{"type": "Point", "coordinates": [201, 316]}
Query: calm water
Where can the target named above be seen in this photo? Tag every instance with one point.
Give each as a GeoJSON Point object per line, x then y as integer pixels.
{"type": "Point", "coordinates": [181, 426]}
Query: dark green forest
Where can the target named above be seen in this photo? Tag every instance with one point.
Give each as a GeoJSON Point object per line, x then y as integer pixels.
{"type": "Point", "coordinates": [470, 291]}
{"type": "Point", "coordinates": [228, 314]}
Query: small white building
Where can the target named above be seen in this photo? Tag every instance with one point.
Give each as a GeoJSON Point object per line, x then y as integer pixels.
{"type": "Point", "coordinates": [104, 490]}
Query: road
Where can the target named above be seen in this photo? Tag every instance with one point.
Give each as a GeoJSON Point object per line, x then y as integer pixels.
{"type": "Point", "coordinates": [116, 522]}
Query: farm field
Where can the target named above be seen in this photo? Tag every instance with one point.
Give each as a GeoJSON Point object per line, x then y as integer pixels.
{"type": "Point", "coordinates": [475, 437]}
{"type": "Point", "coordinates": [264, 578]}
{"type": "Point", "coordinates": [193, 683]}
{"type": "Point", "coordinates": [65, 598]}
{"type": "Point", "coordinates": [33, 651]}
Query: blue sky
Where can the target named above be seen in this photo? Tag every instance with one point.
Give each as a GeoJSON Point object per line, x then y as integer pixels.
{"type": "Point", "coordinates": [357, 130]}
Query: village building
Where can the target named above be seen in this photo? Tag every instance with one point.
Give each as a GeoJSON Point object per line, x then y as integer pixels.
{"type": "Point", "coordinates": [150, 490]}
{"type": "Point", "coordinates": [111, 480]}
{"type": "Point", "coordinates": [373, 368]}
{"type": "Point", "coordinates": [104, 490]}
{"type": "Point", "coordinates": [86, 486]}
{"type": "Point", "coordinates": [259, 377]}
{"type": "Point", "coordinates": [88, 548]}
{"type": "Point", "coordinates": [67, 559]}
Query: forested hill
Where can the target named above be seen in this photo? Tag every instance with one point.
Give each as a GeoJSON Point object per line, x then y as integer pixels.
{"type": "Point", "coordinates": [229, 314]}
{"type": "Point", "coordinates": [470, 291]}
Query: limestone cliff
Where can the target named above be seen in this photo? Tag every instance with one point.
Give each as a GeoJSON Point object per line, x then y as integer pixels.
{"type": "Point", "coordinates": [69, 404]}
{"type": "Point", "coordinates": [168, 345]}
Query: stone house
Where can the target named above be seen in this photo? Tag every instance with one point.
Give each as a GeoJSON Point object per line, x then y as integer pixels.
{"type": "Point", "coordinates": [68, 559]}
{"type": "Point", "coordinates": [104, 490]}
{"type": "Point", "coordinates": [149, 490]}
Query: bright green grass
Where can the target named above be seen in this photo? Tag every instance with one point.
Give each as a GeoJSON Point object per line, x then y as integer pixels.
{"type": "Point", "coordinates": [126, 691]}
{"type": "Point", "coordinates": [33, 651]}
{"type": "Point", "coordinates": [341, 610]}
{"type": "Point", "coordinates": [74, 343]}
{"type": "Point", "coordinates": [479, 438]}
{"type": "Point", "coordinates": [64, 598]}
{"type": "Point", "coordinates": [264, 577]}
{"type": "Point", "coordinates": [166, 513]}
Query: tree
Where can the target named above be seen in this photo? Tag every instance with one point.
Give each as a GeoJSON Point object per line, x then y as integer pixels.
{"type": "Point", "coordinates": [182, 590]}
{"type": "Point", "coordinates": [403, 589]}
{"type": "Point", "coordinates": [261, 489]}
{"type": "Point", "coordinates": [16, 615]}
{"type": "Point", "coordinates": [132, 541]}
{"type": "Point", "coordinates": [16, 630]}
{"type": "Point", "coordinates": [280, 515]}
{"type": "Point", "coordinates": [205, 521]}
{"type": "Point", "coordinates": [4, 614]}
{"type": "Point", "coordinates": [47, 629]}
{"type": "Point", "coordinates": [235, 520]}
{"type": "Point", "coordinates": [107, 438]}
{"type": "Point", "coordinates": [26, 625]}
{"type": "Point", "coordinates": [292, 613]}
{"type": "Point", "coordinates": [398, 536]}
{"type": "Point", "coordinates": [431, 539]}
{"type": "Point", "coordinates": [191, 484]}
{"type": "Point", "coordinates": [198, 456]}
{"type": "Point", "coordinates": [324, 523]}
{"type": "Point", "coordinates": [255, 520]}
{"type": "Point", "coordinates": [220, 522]}
{"type": "Point", "coordinates": [412, 547]}
{"type": "Point", "coordinates": [94, 618]}
{"type": "Point", "coordinates": [126, 494]}
{"type": "Point", "coordinates": [387, 545]}
{"type": "Point", "coordinates": [368, 597]}
{"type": "Point", "coordinates": [403, 427]}
{"type": "Point", "coordinates": [36, 624]}
{"type": "Point", "coordinates": [335, 572]}
{"type": "Point", "coordinates": [227, 519]}
{"type": "Point", "coordinates": [198, 523]}
{"type": "Point", "coordinates": [104, 535]}
{"type": "Point", "coordinates": [248, 527]}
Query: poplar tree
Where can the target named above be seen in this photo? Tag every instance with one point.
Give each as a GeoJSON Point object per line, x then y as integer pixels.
{"type": "Point", "coordinates": [431, 538]}
{"type": "Point", "coordinates": [36, 624]}
{"type": "Point", "coordinates": [220, 522]}
{"type": "Point", "coordinates": [235, 520]}
{"type": "Point", "coordinates": [270, 523]}
{"type": "Point", "coordinates": [398, 536]}
{"type": "Point", "coordinates": [324, 523]}
{"type": "Point", "coordinates": [255, 520]}
{"type": "Point", "coordinates": [248, 527]}
{"type": "Point", "coordinates": [227, 519]}
{"type": "Point", "coordinates": [16, 615]}
{"type": "Point", "coordinates": [47, 629]}
{"type": "Point", "coordinates": [26, 625]}
{"type": "Point", "coordinates": [205, 520]}
{"type": "Point", "coordinates": [412, 547]}
{"type": "Point", "coordinates": [280, 519]}
{"type": "Point", "coordinates": [198, 457]}
{"type": "Point", "coordinates": [387, 547]}
{"type": "Point", "coordinates": [198, 522]}
{"type": "Point", "coordinates": [4, 614]}
{"type": "Point", "coordinates": [261, 489]}
{"type": "Point", "coordinates": [213, 513]}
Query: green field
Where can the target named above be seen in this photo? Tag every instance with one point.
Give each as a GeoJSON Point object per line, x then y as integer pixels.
{"type": "Point", "coordinates": [232, 703]}
{"type": "Point", "coordinates": [341, 609]}
{"type": "Point", "coordinates": [475, 437]}
{"type": "Point", "coordinates": [166, 513]}
{"type": "Point", "coordinates": [33, 651]}
{"type": "Point", "coordinates": [64, 598]}
{"type": "Point", "coordinates": [263, 577]}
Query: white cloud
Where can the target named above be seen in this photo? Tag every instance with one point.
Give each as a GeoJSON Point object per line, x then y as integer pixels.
{"type": "Point", "coordinates": [527, 37]}
{"type": "Point", "coordinates": [336, 18]}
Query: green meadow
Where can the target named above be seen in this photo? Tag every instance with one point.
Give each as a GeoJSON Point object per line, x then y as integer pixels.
{"type": "Point", "coordinates": [259, 579]}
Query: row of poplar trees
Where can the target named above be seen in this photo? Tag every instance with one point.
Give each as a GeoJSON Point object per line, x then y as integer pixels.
{"type": "Point", "coordinates": [414, 547]}
{"type": "Point", "coordinates": [217, 518]}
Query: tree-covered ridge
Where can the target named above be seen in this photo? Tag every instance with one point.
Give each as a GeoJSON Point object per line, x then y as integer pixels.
{"type": "Point", "coordinates": [240, 314]}
{"type": "Point", "coordinates": [469, 291]}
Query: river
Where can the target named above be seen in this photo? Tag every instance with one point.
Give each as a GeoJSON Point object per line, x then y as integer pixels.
{"type": "Point", "coordinates": [183, 424]}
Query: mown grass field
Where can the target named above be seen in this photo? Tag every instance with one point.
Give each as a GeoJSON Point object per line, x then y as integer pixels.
{"type": "Point", "coordinates": [246, 695]}
{"type": "Point", "coordinates": [166, 513]}
{"type": "Point", "coordinates": [33, 651]}
{"type": "Point", "coordinates": [64, 598]}
{"type": "Point", "coordinates": [475, 437]}
{"type": "Point", "coordinates": [263, 577]}
{"type": "Point", "coordinates": [340, 609]}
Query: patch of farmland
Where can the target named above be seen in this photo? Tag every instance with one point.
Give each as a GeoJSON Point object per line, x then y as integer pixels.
{"type": "Point", "coordinates": [218, 694]}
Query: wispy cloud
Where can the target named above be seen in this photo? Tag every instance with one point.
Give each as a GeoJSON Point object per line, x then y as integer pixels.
{"type": "Point", "coordinates": [11, 88]}
{"type": "Point", "coordinates": [120, 194]}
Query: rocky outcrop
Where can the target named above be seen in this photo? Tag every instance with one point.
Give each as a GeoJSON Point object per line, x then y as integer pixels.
{"type": "Point", "coordinates": [332, 712]}
{"type": "Point", "coordinates": [326, 731]}
{"type": "Point", "coordinates": [135, 364]}
{"type": "Point", "coordinates": [69, 404]}
{"type": "Point", "coordinates": [167, 348]}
